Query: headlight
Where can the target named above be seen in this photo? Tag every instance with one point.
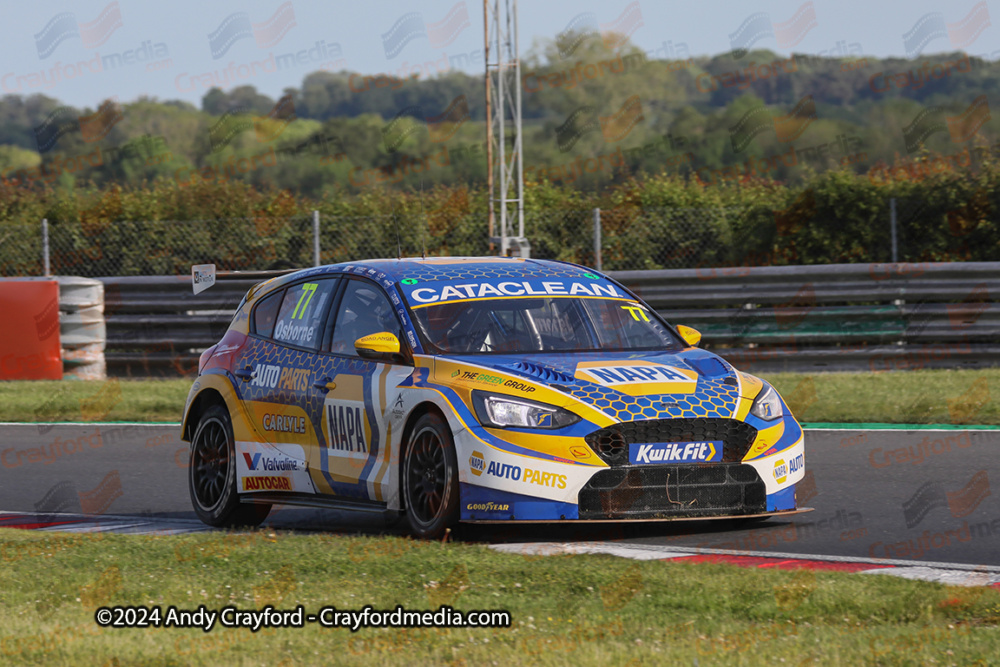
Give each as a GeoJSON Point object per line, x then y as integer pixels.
{"type": "Point", "coordinates": [767, 405]}
{"type": "Point", "coordinates": [506, 411]}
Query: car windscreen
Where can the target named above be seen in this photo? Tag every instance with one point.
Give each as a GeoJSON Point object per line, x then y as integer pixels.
{"type": "Point", "coordinates": [541, 324]}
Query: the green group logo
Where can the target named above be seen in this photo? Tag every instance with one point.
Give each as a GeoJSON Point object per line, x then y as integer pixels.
{"type": "Point", "coordinates": [409, 281]}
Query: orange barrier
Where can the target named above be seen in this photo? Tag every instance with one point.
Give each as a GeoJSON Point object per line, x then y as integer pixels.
{"type": "Point", "coordinates": [29, 331]}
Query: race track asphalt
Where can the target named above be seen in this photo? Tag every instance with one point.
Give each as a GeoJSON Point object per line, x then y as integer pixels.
{"type": "Point", "coordinates": [904, 494]}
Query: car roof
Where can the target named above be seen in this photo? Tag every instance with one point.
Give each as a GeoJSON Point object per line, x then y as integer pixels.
{"type": "Point", "coordinates": [444, 268]}
{"type": "Point", "coordinates": [472, 268]}
{"type": "Point", "coordinates": [433, 269]}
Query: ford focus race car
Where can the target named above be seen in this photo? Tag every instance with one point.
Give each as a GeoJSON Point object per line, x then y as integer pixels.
{"type": "Point", "coordinates": [479, 390]}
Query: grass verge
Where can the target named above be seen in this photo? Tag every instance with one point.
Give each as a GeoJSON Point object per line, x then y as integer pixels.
{"type": "Point", "coordinates": [111, 400]}
{"type": "Point", "coordinates": [581, 610]}
{"type": "Point", "coordinates": [911, 397]}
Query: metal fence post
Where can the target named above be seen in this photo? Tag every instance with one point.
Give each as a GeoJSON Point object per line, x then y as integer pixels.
{"type": "Point", "coordinates": [892, 222]}
{"type": "Point", "coordinates": [315, 238]}
{"type": "Point", "coordinates": [45, 246]}
{"type": "Point", "coordinates": [597, 238]}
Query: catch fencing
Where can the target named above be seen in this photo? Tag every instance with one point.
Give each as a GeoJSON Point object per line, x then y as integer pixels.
{"type": "Point", "coordinates": [622, 238]}
{"type": "Point", "coordinates": [870, 317]}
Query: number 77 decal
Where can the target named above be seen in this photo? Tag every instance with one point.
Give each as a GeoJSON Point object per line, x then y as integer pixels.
{"type": "Point", "coordinates": [311, 289]}
{"type": "Point", "coordinates": [635, 311]}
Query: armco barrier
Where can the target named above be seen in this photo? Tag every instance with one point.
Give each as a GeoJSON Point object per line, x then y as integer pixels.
{"type": "Point", "coordinates": [794, 318]}
{"type": "Point", "coordinates": [836, 317]}
{"type": "Point", "coordinates": [157, 326]}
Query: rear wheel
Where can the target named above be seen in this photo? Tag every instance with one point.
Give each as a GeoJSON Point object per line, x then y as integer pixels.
{"type": "Point", "coordinates": [430, 478]}
{"type": "Point", "coordinates": [212, 475]}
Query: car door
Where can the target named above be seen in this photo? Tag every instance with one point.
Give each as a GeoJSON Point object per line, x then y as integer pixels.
{"type": "Point", "coordinates": [276, 371]}
{"type": "Point", "coordinates": [356, 459]}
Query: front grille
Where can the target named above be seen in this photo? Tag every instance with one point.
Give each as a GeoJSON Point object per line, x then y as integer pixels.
{"type": "Point", "coordinates": [665, 491]}
{"type": "Point", "coordinates": [611, 443]}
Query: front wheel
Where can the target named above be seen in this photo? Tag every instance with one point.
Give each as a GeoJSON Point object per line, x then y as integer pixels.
{"type": "Point", "coordinates": [212, 475]}
{"type": "Point", "coordinates": [430, 478]}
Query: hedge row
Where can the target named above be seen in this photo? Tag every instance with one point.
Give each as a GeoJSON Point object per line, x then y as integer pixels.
{"type": "Point", "coordinates": [944, 212]}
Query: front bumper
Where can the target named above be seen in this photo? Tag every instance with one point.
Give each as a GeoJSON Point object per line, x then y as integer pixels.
{"type": "Point", "coordinates": [504, 486]}
{"type": "Point", "coordinates": [667, 491]}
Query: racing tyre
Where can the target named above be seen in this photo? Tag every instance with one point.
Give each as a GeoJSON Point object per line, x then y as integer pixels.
{"type": "Point", "coordinates": [212, 475]}
{"type": "Point", "coordinates": [430, 478]}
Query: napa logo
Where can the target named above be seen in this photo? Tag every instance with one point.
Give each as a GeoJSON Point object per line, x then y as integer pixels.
{"type": "Point", "coordinates": [638, 377]}
{"type": "Point", "coordinates": [782, 469]}
{"type": "Point", "coordinates": [477, 463]}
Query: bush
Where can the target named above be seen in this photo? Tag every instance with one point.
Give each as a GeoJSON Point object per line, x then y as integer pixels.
{"type": "Point", "coordinates": [667, 221]}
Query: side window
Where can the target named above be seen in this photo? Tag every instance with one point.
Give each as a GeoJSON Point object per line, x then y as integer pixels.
{"type": "Point", "coordinates": [302, 314]}
{"type": "Point", "coordinates": [265, 313]}
{"type": "Point", "coordinates": [363, 310]}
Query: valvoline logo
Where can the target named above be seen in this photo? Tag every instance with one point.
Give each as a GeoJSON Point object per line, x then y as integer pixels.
{"type": "Point", "coordinates": [269, 463]}
{"type": "Point", "coordinates": [675, 452]}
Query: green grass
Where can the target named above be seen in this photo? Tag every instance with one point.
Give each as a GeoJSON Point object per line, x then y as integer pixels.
{"type": "Point", "coordinates": [581, 610]}
{"type": "Point", "coordinates": [111, 400]}
{"type": "Point", "coordinates": [910, 397]}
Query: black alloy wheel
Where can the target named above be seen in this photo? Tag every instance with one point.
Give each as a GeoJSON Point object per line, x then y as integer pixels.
{"type": "Point", "coordinates": [430, 478]}
{"type": "Point", "coordinates": [212, 475]}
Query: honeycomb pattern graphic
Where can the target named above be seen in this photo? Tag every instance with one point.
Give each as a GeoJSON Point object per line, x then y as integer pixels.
{"type": "Point", "coordinates": [492, 269]}
{"type": "Point", "coordinates": [259, 351]}
{"type": "Point", "coordinates": [711, 398]}
{"type": "Point", "coordinates": [387, 271]}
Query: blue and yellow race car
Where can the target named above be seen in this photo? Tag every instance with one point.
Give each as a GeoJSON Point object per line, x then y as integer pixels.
{"type": "Point", "coordinates": [478, 390]}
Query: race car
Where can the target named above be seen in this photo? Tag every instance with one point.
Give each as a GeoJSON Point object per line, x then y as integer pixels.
{"type": "Point", "coordinates": [478, 389]}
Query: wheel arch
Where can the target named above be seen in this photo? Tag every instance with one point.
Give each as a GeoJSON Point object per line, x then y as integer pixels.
{"type": "Point", "coordinates": [205, 399]}
{"type": "Point", "coordinates": [421, 409]}
{"type": "Point", "coordinates": [214, 388]}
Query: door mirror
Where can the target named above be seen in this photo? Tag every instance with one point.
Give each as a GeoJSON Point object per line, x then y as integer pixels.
{"type": "Point", "coordinates": [381, 346]}
{"type": "Point", "coordinates": [691, 336]}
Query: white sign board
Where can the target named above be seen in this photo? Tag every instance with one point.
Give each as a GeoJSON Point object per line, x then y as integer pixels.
{"type": "Point", "coordinates": [202, 277]}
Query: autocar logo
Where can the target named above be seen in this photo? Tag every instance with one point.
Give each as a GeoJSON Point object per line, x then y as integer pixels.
{"type": "Point", "coordinates": [477, 463]}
